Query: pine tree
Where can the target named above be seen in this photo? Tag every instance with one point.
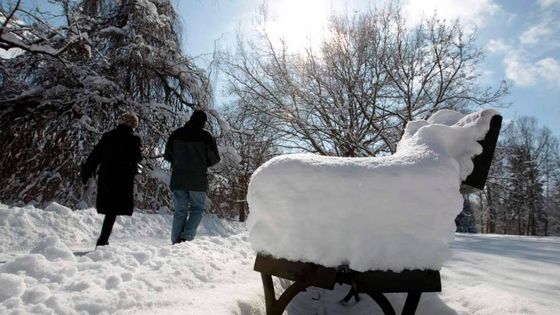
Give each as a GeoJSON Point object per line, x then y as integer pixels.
{"type": "Point", "coordinates": [465, 221]}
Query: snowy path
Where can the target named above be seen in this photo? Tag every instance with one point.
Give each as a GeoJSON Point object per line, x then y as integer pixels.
{"type": "Point", "coordinates": [140, 273]}
{"type": "Point", "coordinates": [494, 274]}
{"type": "Point", "coordinates": [214, 273]}
{"type": "Point", "coordinates": [488, 274]}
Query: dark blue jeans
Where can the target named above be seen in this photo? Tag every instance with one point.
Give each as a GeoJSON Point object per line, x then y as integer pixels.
{"type": "Point", "coordinates": [185, 225]}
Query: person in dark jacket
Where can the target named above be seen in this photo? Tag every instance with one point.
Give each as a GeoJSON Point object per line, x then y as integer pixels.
{"type": "Point", "coordinates": [117, 154]}
{"type": "Point", "coordinates": [191, 150]}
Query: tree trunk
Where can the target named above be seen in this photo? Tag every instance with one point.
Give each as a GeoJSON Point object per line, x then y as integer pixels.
{"type": "Point", "coordinates": [242, 212]}
{"type": "Point", "coordinates": [491, 220]}
{"type": "Point", "coordinates": [506, 223]}
{"type": "Point", "coordinates": [531, 225]}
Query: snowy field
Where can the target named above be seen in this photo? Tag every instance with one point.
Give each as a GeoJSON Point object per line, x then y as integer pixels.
{"type": "Point", "coordinates": [46, 269]}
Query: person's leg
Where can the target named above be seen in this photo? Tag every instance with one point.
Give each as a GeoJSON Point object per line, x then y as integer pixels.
{"type": "Point", "coordinates": [198, 204]}
{"type": "Point", "coordinates": [106, 229]}
{"type": "Point", "coordinates": [180, 199]}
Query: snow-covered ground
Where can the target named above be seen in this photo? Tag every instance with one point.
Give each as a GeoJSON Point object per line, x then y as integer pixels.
{"type": "Point", "coordinates": [45, 269]}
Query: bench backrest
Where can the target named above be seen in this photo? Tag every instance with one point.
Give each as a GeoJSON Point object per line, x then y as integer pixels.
{"type": "Point", "coordinates": [476, 180]}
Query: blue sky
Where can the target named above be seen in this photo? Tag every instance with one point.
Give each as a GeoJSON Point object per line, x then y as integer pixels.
{"type": "Point", "coordinates": [521, 38]}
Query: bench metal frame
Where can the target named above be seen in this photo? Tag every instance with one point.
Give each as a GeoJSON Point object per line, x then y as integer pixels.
{"type": "Point", "coordinates": [372, 283]}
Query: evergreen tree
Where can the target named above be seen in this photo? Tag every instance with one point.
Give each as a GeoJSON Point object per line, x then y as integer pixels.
{"type": "Point", "coordinates": [465, 221]}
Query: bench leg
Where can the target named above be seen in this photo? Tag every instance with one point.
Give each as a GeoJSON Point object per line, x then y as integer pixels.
{"type": "Point", "coordinates": [412, 300]}
{"type": "Point", "coordinates": [382, 301]}
{"type": "Point", "coordinates": [277, 307]}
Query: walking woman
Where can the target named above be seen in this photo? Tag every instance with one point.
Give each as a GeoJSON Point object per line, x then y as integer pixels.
{"type": "Point", "coordinates": [117, 154]}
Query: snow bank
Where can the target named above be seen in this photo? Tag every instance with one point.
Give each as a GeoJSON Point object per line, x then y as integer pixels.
{"type": "Point", "coordinates": [139, 273]}
{"type": "Point", "coordinates": [53, 249]}
{"type": "Point", "coordinates": [21, 228]}
{"type": "Point", "coordinates": [387, 213]}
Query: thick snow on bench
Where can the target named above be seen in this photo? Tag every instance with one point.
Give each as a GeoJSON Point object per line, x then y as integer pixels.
{"type": "Point", "coordinates": [383, 213]}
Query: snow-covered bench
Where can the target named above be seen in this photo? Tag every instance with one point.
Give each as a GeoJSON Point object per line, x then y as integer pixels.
{"type": "Point", "coordinates": [378, 224]}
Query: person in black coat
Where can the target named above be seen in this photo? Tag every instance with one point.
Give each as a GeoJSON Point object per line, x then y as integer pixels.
{"type": "Point", "coordinates": [117, 154]}
{"type": "Point", "coordinates": [191, 150]}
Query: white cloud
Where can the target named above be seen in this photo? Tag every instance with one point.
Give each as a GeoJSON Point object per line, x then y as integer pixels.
{"type": "Point", "coordinates": [497, 46]}
{"type": "Point", "coordinates": [472, 12]}
{"type": "Point", "coordinates": [525, 73]}
{"type": "Point", "coordinates": [535, 34]}
{"type": "Point", "coordinates": [548, 69]}
{"type": "Point", "coordinates": [520, 71]}
{"type": "Point", "coordinates": [547, 3]}
{"type": "Point", "coordinates": [533, 58]}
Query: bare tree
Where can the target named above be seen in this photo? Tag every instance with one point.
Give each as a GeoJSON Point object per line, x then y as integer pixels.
{"type": "Point", "coordinates": [252, 143]}
{"type": "Point", "coordinates": [371, 75]}
{"type": "Point", "coordinates": [533, 149]}
{"type": "Point", "coordinates": [550, 170]}
{"type": "Point", "coordinates": [496, 216]}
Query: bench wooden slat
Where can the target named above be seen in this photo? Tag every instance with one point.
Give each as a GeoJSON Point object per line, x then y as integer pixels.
{"type": "Point", "coordinates": [324, 277]}
{"type": "Point", "coordinates": [399, 282]}
{"type": "Point", "coordinates": [374, 283]}
{"type": "Point", "coordinates": [309, 273]}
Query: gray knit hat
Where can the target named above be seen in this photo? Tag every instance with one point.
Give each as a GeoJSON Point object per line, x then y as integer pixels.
{"type": "Point", "coordinates": [130, 119]}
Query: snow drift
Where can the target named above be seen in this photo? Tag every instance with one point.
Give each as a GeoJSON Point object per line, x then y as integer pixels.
{"type": "Point", "coordinates": [47, 265]}
{"type": "Point", "coordinates": [384, 213]}
{"type": "Point", "coordinates": [140, 273]}
{"type": "Point", "coordinates": [21, 228]}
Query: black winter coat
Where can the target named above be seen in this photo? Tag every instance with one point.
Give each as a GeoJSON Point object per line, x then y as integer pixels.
{"type": "Point", "coordinates": [117, 154]}
{"type": "Point", "coordinates": [191, 150]}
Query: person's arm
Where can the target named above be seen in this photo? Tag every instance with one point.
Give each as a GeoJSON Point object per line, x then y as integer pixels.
{"type": "Point", "coordinates": [138, 150]}
{"type": "Point", "coordinates": [93, 160]}
{"type": "Point", "coordinates": [212, 154]}
{"type": "Point", "coordinates": [168, 153]}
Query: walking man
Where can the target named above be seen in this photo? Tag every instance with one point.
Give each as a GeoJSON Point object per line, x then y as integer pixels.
{"type": "Point", "coordinates": [117, 154]}
{"type": "Point", "coordinates": [191, 150]}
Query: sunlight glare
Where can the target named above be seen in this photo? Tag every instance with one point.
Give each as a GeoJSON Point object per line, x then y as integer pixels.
{"type": "Point", "coordinates": [300, 23]}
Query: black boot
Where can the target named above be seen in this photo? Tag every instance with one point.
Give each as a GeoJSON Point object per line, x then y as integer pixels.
{"type": "Point", "coordinates": [100, 243]}
{"type": "Point", "coordinates": [106, 229]}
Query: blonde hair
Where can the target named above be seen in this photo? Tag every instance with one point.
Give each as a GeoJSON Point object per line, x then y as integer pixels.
{"type": "Point", "coordinates": [130, 119]}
